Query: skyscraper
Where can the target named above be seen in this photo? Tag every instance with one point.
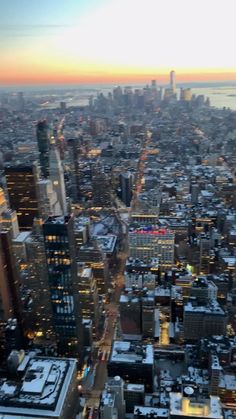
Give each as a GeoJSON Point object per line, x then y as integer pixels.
{"type": "Point", "coordinates": [43, 139]}
{"type": "Point", "coordinates": [126, 184]}
{"type": "Point", "coordinates": [62, 275]}
{"type": "Point", "coordinates": [57, 177]}
{"type": "Point", "coordinates": [11, 275]}
{"type": "Point", "coordinates": [72, 159]}
{"type": "Point", "coordinates": [150, 242]}
{"type": "Point", "coordinates": [172, 81]}
{"type": "Point", "coordinates": [22, 192]}
{"type": "Point", "coordinates": [39, 319]}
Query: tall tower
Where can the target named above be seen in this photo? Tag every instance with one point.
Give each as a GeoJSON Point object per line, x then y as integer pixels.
{"type": "Point", "coordinates": [126, 184]}
{"type": "Point", "coordinates": [172, 81]}
{"type": "Point", "coordinates": [72, 160]}
{"type": "Point", "coordinates": [62, 276]}
{"type": "Point", "coordinates": [43, 139]}
{"type": "Point", "coordinates": [57, 177]}
{"type": "Point", "coordinates": [40, 319]}
{"type": "Point", "coordinates": [22, 191]}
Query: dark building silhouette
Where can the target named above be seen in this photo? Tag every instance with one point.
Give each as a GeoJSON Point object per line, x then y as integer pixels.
{"type": "Point", "coordinates": [43, 139]}
{"type": "Point", "coordinates": [22, 192]}
{"type": "Point", "coordinates": [126, 185]}
{"type": "Point", "coordinates": [62, 275]}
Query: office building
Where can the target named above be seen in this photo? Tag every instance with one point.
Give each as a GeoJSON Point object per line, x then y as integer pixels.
{"type": "Point", "coordinates": [203, 321]}
{"type": "Point", "coordinates": [72, 155]}
{"type": "Point", "coordinates": [142, 267]}
{"type": "Point", "coordinates": [148, 316]}
{"type": "Point", "coordinates": [3, 202]}
{"type": "Point", "coordinates": [94, 257]}
{"type": "Point", "coordinates": [13, 336]}
{"type": "Point", "coordinates": [172, 81]}
{"type": "Point", "coordinates": [82, 232]}
{"type": "Point", "coordinates": [151, 242]}
{"type": "Point", "coordinates": [88, 296]}
{"type": "Point", "coordinates": [203, 290]}
{"type": "Point", "coordinates": [191, 407]}
{"type": "Point", "coordinates": [101, 189]}
{"type": "Point", "coordinates": [48, 200]}
{"type": "Point", "coordinates": [134, 396]}
{"type": "Point", "coordinates": [112, 400]}
{"type": "Point", "coordinates": [23, 194]}
{"type": "Point", "coordinates": [39, 316]}
{"type": "Point", "coordinates": [43, 139]}
{"type": "Point", "coordinates": [136, 280]}
{"type": "Point", "coordinates": [62, 275]}
{"type": "Point", "coordinates": [126, 188]}
{"type": "Point", "coordinates": [11, 278]}
{"type": "Point", "coordinates": [133, 362]}
{"type": "Point", "coordinates": [57, 177]}
{"type": "Point", "coordinates": [42, 388]}
{"type": "Point", "coordinates": [130, 316]}
{"type": "Point", "coordinates": [20, 101]}
{"type": "Point", "coordinates": [186, 94]}
{"type": "Point", "coordinates": [9, 221]}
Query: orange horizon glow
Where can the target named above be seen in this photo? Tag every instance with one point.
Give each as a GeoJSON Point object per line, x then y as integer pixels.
{"type": "Point", "coordinates": [104, 41]}
{"type": "Point", "coordinates": [118, 77]}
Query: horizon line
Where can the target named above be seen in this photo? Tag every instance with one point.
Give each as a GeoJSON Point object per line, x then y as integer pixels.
{"type": "Point", "coordinates": [205, 76]}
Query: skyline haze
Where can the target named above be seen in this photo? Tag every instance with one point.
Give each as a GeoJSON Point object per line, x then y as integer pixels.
{"type": "Point", "coordinates": [103, 41]}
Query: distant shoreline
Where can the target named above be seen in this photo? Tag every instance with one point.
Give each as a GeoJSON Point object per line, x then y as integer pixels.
{"type": "Point", "coordinates": [97, 86]}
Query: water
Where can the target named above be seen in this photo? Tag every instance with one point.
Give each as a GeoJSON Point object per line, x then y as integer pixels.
{"type": "Point", "coordinates": [220, 96]}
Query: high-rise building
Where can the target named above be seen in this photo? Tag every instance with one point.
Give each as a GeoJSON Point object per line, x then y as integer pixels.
{"type": "Point", "coordinates": [203, 290]}
{"type": "Point", "coordinates": [130, 316]}
{"type": "Point", "coordinates": [133, 361]}
{"type": "Point", "coordinates": [23, 194]}
{"type": "Point", "coordinates": [11, 275]}
{"type": "Point", "coordinates": [3, 202]}
{"type": "Point", "coordinates": [88, 296]}
{"type": "Point", "coordinates": [151, 242]}
{"type": "Point", "coordinates": [172, 81]}
{"type": "Point", "coordinates": [48, 199]}
{"type": "Point", "coordinates": [148, 316]}
{"type": "Point", "coordinates": [101, 189]}
{"type": "Point", "coordinates": [20, 101]}
{"type": "Point", "coordinates": [62, 275]}
{"type": "Point", "coordinates": [6, 304]}
{"type": "Point", "coordinates": [43, 139]}
{"type": "Point", "coordinates": [9, 221]}
{"type": "Point", "coordinates": [94, 257]}
{"type": "Point", "coordinates": [43, 388]}
{"type": "Point", "coordinates": [57, 177]}
{"type": "Point", "coordinates": [126, 185]}
{"type": "Point", "coordinates": [72, 159]}
{"type": "Point", "coordinates": [186, 94]}
{"type": "Point", "coordinates": [112, 400]}
{"type": "Point", "coordinates": [204, 320]}
{"type": "Point", "coordinates": [39, 319]}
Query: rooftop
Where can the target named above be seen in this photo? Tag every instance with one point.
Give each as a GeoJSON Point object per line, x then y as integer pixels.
{"type": "Point", "coordinates": [158, 412]}
{"type": "Point", "coordinates": [188, 407]}
{"type": "Point", "coordinates": [42, 390]}
{"type": "Point", "coordinates": [211, 308]}
{"type": "Point", "coordinates": [107, 243]}
{"type": "Point", "coordinates": [128, 352]}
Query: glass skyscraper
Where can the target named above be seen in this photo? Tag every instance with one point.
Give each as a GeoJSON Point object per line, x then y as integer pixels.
{"type": "Point", "coordinates": [62, 273]}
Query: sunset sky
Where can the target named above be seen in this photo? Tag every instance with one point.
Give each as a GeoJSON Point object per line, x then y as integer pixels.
{"type": "Point", "coordinates": [82, 41]}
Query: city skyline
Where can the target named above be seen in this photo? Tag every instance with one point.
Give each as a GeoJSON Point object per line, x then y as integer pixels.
{"type": "Point", "coordinates": [103, 41]}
